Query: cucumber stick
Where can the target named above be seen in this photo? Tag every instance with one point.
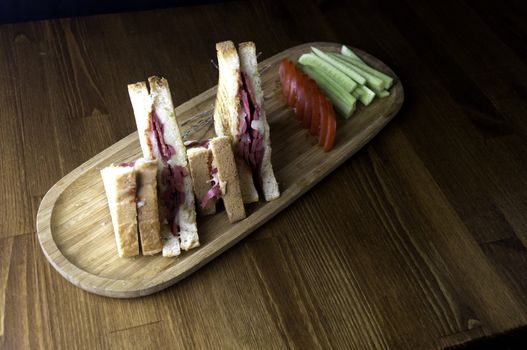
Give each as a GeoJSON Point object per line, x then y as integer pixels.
{"type": "Point", "coordinates": [372, 81]}
{"type": "Point", "coordinates": [328, 70]}
{"type": "Point", "coordinates": [383, 94]}
{"type": "Point", "coordinates": [388, 81]}
{"type": "Point", "coordinates": [364, 95]}
{"type": "Point", "coordinates": [346, 51]}
{"type": "Point", "coordinates": [342, 100]}
{"type": "Point", "coordinates": [345, 78]}
{"type": "Point", "coordinates": [350, 72]}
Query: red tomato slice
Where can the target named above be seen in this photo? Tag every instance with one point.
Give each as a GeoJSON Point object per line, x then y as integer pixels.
{"type": "Point", "coordinates": [308, 102]}
{"type": "Point", "coordinates": [315, 116]}
{"type": "Point", "coordinates": [331, 127]}
{"type": "Point", "coordinates": [281, 69]}
{"type": "Point", "coordinates": [288, 71]}
{"type": "Point", "coordinates": [300, 95]}
{"type": "Point", "coordinates": [311, 107]}
{"type": "Point", "coordinates": [293, 85]}
{"type": "Point", "coordinates": [323, 121]}
{"type": "Point", "coordinates": [313, 96]}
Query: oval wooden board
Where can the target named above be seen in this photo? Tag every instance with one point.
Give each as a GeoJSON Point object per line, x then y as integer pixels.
{"type": "Point", "coordinates": [73, 221]}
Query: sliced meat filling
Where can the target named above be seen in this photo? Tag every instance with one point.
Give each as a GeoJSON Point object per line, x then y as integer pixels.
{"type": "Point", "coordinates": [157, 140]}
{"type": "Point", "coordinates": [126, 164]}
{"type": "Point", "coordinates": [172, 176]}
{"type": "Point", "coordinates": [214, 190]}
{"type": "Point", "coordinates": [250, 144]}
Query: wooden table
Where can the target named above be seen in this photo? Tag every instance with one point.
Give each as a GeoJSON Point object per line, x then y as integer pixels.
{"type": "Point", "coordinates": [418, 241]}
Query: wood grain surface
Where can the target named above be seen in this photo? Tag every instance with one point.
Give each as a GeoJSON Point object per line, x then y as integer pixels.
{"type": "Point", "coordinates": [417, 242]}
{"type": "Point", "coordinates": [75, 230]}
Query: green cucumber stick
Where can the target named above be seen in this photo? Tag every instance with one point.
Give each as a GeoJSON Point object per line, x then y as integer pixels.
{"type": "Point", "coordinates": [328, 70]}
{"type": "Point", "coordinates": [345, 69]}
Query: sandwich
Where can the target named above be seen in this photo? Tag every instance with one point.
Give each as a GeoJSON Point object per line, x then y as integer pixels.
{"type": "Point", "coordinates": [120, 186]}
{"type": "Point", "coordinates": [215, 176]}
{"type": "Point", "coordinates": [161, 140]}
{"type": "Point", "coordinates": [239, 114]}
{"type": "Point", "coordinates": [132, 198]}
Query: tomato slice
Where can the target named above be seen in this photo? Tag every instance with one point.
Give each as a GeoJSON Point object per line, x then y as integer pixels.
{"type": "Point", "coordinates": [308, 102]}
{"type": "Point", "coordinates": [331, 127]}
{"type": "Point", "coordinates": [311, 107]}
{"type": "Point", "coordinates": [293, 85]}
{"type": "Point", "coordinates": [315, 116]}
{"type": "Point", "coordinates": [323, 121]}
{"type": "Point", "coordinates": [300, 96]}
{"type": "Point", "coordinates": [313, 96]}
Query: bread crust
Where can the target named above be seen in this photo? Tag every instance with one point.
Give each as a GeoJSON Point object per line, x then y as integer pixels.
{"type": "Point", "coordinates": [223, 160]}
{"type": "Point", "coordinates": [142, 105]}
{"type": "Point", "coordinates": [227, 104]}
{"type": "Point", "coordinates": [120, 187]}
{"type": "Point", "coordinates": [147, 206]}
{"type": "Point", "coordinates": [199, 163]}
{"type": "Point", "coordinates": [245, 174]}
{"type": "Point", "coordinates": [249, 66]}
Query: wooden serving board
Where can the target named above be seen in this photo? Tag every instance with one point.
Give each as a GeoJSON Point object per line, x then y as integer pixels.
{"type": "Point", "coordinates": [73, 221]}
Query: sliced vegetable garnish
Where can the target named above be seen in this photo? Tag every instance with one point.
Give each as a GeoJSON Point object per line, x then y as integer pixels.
{"type": "Point", "coordinates": [333, 80]}
{"type": "Point", "coordinates": [310, 100]}
{"type": "Point", "coordinates": [344, 102]}
{"type": "Point", "coordinates": [388, 81]}
{"type": "Point", "coordinates": [371, 80]}
{"type": "Point", "coordinates": [292, 88]}
{"type": "Point", "coordinates": [331, 128]}
{"type": "Point", "coordinates": [331, 71]}
{"type": "Point", "coordinates": [383, 94]}
{"type": "Point", "coordinates": [312, 108]}
{"type": "Point", "coordinates": [284, 73]}
{"type": "Point", "coordinates": [300, 94]}
{"type": "Point", "coordinates": [328, 70]}
{"type": "Point", "coordinates": [364, 94]}
{"type": "Point", "coordinates": [349, 53]}
{"type": "Point", "coordinates": [315, 111]}
{"type": "Point", "coordinates": [324, 119]}
{"type": "Point", "coordinates": [312, 121]}
{"type": "Point", "coordinates": [349, 71]}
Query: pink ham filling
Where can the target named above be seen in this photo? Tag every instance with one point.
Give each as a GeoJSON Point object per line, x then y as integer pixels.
{"type": "Point", "coordinates": [250, 144]}
{"type": "Point", "coordinates": [173, 196]}
{"type": "Point", "coordinates": [172, 176]}
{"type": "Point", "coordinates": [214, 191]}
{"type": "Point", "coordinates": [127, 164]}
{"type": "Point", "coordinates": [155, 134]}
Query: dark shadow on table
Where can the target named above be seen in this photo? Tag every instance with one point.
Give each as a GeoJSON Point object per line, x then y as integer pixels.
{"type": "Point", "coordinates": [513, 340]}
{"type": "Point", "coordinates": [12, 11]}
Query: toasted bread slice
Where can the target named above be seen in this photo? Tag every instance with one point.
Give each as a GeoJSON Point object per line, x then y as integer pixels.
{"type": "Point", "coordinates": [227, 105]}
{"type": "Point", "coordinates": [245, 174]}
{"type": "Point", "coordinates": [223, 160]}
{"type": "Point", "coordinates": [199, 165]}
{"type": "Point", "coordinates": [249, 66]}
{"type": "Point", "coordinates": [147, 206]}
{"type": "Point", "coordinates": [142, 106]}
{"type": "Point", "coordinates": [227, 111]}
{"type": "Point", "coordinates": [120, 186]}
